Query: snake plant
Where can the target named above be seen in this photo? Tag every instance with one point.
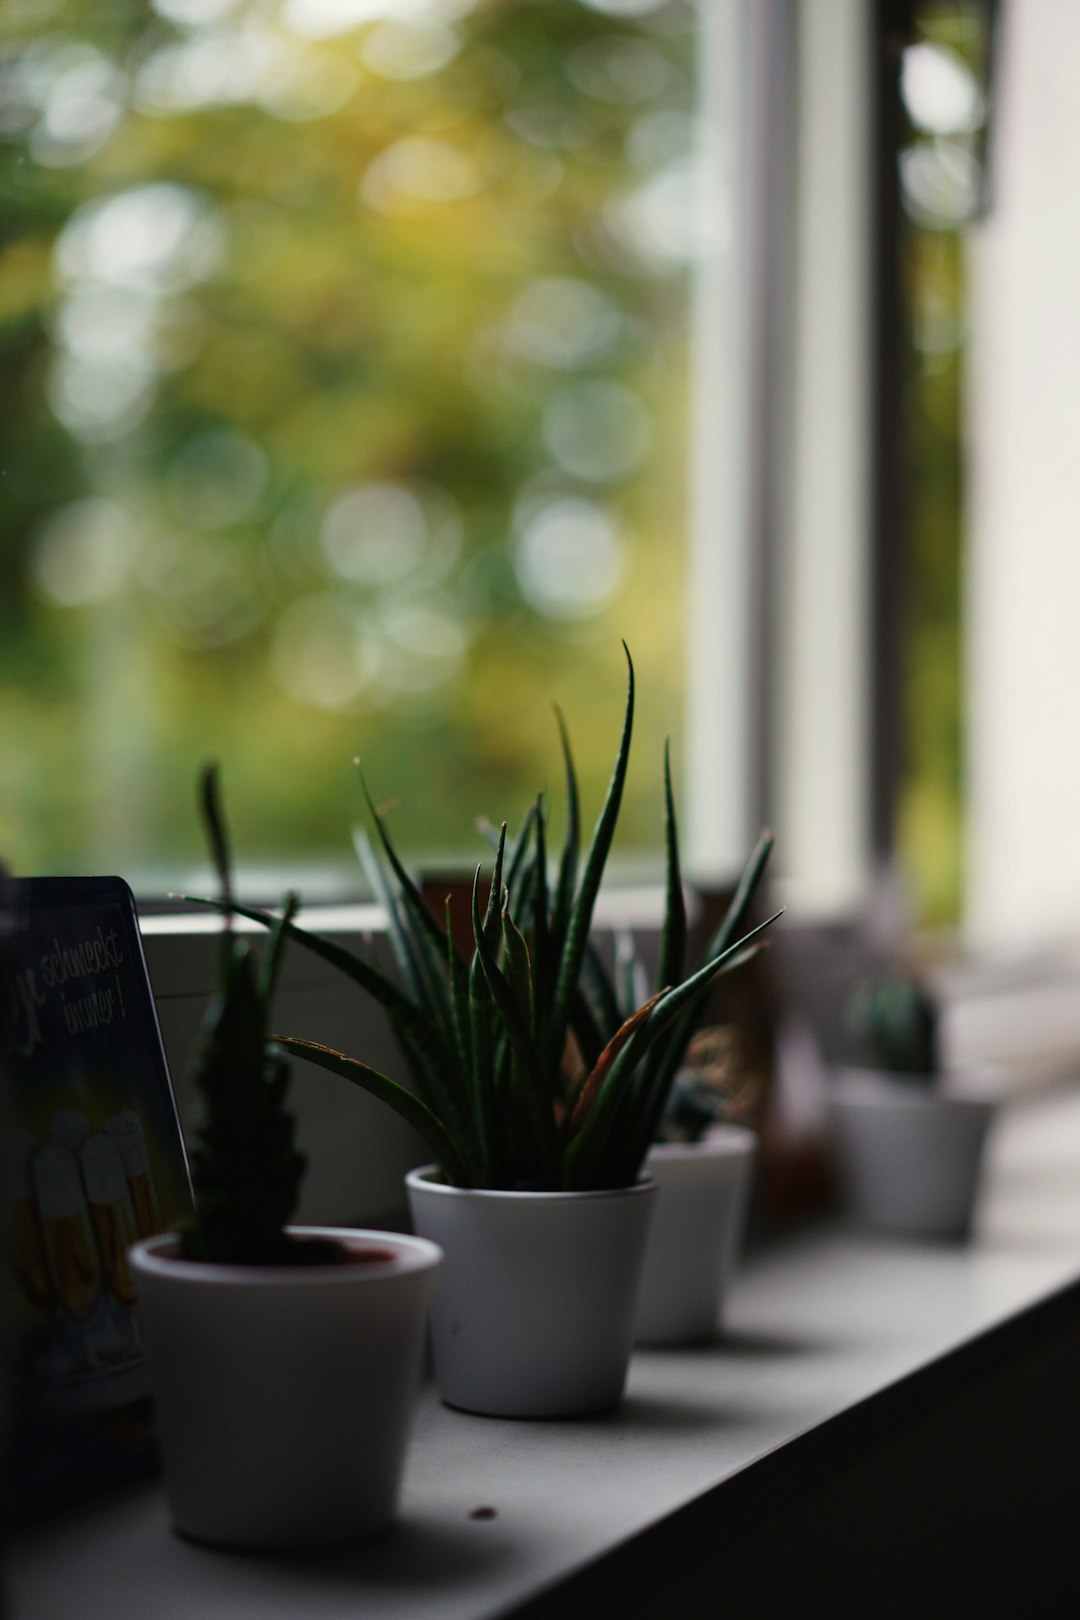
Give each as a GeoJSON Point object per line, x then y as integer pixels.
{"type": "Point", "coordinates": [516, 1082]}
{"type": "Point", "coordinates": [611, 997]}
{"type": "Point", "coordinates": [245, 1168]}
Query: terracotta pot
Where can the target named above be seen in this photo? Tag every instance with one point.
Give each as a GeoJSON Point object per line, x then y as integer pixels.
{"type": "Point", "coordinates": [285, 1393]}
{"type": "Point", "coordinates": [532, 1314]}
{"type": "Point", "coordinates": [702, 1193]}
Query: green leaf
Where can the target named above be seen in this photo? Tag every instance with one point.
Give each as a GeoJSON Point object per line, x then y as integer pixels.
{"type": "Point", "coordinates": [584, 1152]}
{"type": "Point", "coordinates": [672, 964]}
{"type": "Point", "coordinates": [490, 926]}
{"type": "Point", "coordinates": [274, 953]}
{"type": "Point", "coordinates": [744, 893]}
{"type": "Point", "coordinates": [590, 1090]}
{"type": "Point", "coordinates": [577, 932]}
{"type": "Point", "coordinates": [459, 997]}
{"type": "Point", "coordinates": [410, 1108]}
{"type": "Point", "coordinates": [400, 941]}
{"type": "Point", "coordinates": [532, 1096]}
{"type": "Point", "coordinates": [541, 940]}
{"type": "Point", "coordinates": [568, 863]}
{"type": "Point", "coordinates": [397, 1004]}
{"type": "Point", "coordinates": [599, 991]}
{"type": "Point", "coordinates": [429, 940]}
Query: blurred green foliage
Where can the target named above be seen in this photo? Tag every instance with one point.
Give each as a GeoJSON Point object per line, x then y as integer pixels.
{"type": "Point", "coordinates": [343, 413]}
{"type": "Point", "coordinates": [942, 171]}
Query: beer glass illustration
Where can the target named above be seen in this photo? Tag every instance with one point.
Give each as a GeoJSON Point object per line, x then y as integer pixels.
{"type": "Point", "coordinates": [70, 1250]}
{"type": "Point", "coordinates": [23, 1236]}
{"type": "Point", "coordinates": [126, 1131]}
{"type": "Point", "coordinates": [112, 1214]}
{"type": "Point", "coordinates": [70, 1129]}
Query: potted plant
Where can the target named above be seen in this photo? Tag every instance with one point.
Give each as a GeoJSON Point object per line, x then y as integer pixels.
{"type": "Point", "coordinates": [701, 1164]}
{"type": "Point", "coordinates": [284, 1359]}
{"type": "Point", "coordinates": [537, 1120]}
{"type": "Point", "coordinates": [910, 1149]}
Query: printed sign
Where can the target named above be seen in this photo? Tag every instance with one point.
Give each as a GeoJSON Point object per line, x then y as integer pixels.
{"type": "Point", "coordinates": [92, 1160]}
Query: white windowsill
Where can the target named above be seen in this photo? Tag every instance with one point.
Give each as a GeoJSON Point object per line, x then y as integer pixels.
{"type": "Point", "coordinates": [816, 1326]}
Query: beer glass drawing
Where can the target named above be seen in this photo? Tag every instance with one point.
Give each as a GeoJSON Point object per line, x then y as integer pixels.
{"type": "Point", "coordinates": [70, 1129]}
{"type": "Point", "coordinates": [126, 1131]}
{"type": "Point", "coordinates": [25, 1243]}
{"type": "Point", "coordinates": [69, 1241]}
{"type": "Point", "coordinates": [112, 1214]}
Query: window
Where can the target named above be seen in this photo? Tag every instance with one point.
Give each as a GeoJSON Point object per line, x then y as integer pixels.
{"type": "Point", "coordinates": [345, 348]}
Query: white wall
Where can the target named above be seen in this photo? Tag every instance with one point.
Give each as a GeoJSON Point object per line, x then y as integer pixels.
{"type": "Point", "coordinates": [1023, 585]}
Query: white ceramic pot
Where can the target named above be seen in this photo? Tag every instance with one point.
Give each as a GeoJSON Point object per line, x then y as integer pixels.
{"type": "Point", "coordinates": [702, 1193]}
{"type": "Point", "coordinates": [910, 1157]}
{"type": "Point", "coordinates": [532, 1314]}
{"type": "Point", "coordinates": [285, 1393]}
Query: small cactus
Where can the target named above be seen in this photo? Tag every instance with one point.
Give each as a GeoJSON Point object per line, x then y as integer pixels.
{"type": "Point", "coordinates": [894, 1023]}
{"type": "Point", "coordinates": [245, 1167]}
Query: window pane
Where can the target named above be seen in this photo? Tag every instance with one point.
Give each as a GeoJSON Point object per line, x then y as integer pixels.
{"type": "Point", "coordinates": [344, 358]}
{"type": "Point", "coordinates": [943, 182]}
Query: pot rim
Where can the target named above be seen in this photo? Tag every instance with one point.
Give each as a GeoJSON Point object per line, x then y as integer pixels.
{"type": "Point", "coordinates": [422, 1180]}
{"type": "Point", "coordinates": [408, 1255]}
{"type": "Point", "coordinates": [723, 1142]}
{"type": "Point", "coordinates": [882, 1089]}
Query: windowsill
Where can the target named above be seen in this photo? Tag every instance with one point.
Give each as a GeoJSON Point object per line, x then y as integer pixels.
{"type": "Point", "coordinates": [822, 1330]}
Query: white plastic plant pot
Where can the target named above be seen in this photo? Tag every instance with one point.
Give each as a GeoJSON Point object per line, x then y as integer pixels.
{"type": "Point", "coordinates": [285, 1393]}
{"type": "Point", "coordinates": [909, 1155]}
{"type": "Point", "coordinates": [702, 1193]}
{"type": "Point", "coordinates": [532, 1314]}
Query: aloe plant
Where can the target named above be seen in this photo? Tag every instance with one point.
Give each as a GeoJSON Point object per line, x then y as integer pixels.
{"type": "Point", "coordinates": [612, 997]}
{"type": "Point", "coordinates": [893, 1022]}
{"type": "Point", "coordinates": [245, 1168]}
{"type": "Point", "coordinates": [516, 1082]}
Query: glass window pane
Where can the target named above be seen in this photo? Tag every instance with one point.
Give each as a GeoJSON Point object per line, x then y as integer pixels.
{"type": "Point", "coordinates": [345, 353]}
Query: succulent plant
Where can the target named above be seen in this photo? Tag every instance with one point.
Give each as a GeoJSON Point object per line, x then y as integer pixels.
{"type": "Point", "coordinates": [610, 997]}
{"type": "Point", "coordinates": [893, 1022]}
{"type": "Point", "coordinates": [710, 1087]}
{"type": "Point", "coordinates": [516, 1082]}
{"type": "Point", "coordinates": [245, 1168]}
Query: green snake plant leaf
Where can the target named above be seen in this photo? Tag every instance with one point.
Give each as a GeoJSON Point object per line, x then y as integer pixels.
{"type": "Point", "coordinates": [630, 982]}
{"type": "Point", "coordinates": [586, 1030]}
{"type": "Point", "coordinates": [577, 931]}
{"type": "Point", "coordinates": [594, 1081]}
{"type": "Point", "coordinates": [532, 1100]}
{"type": "Point", "coordinates": [598, 990]}
{"type": "Point", "coordinates": [458, 977]}
{"type": "Point", "coordinates": [399, 1006]}
{"type": "Point", "coordinates": [271, 967]}
{"type": "Point", "coordinates": [485, 1128]}
{"type": "Point", "coordinates": [513, 1016]}
{"type": "Point", "coordinates": [519, 972]}
{"type": "Point", "coordinates": [672, 964]}
{"type": "Point", "coordinates": [412, 1109]}
{"type": "Point", "coordinates": [217, 833]}
{"type": "Point", "coordinates": [587, 1145]}
{"type": "Point", "coordinates": [745, 889]}
{"type": "Point", "coordinates": [568, 862]}
{"type": "Point", "coordinates": [541, 963]}
{"type": "Point", "coordinates": [400, 939]}
{"type": "Point", "coordinates": [429, 941]}
{"type": "Point", "coordinates": [490, 925]}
